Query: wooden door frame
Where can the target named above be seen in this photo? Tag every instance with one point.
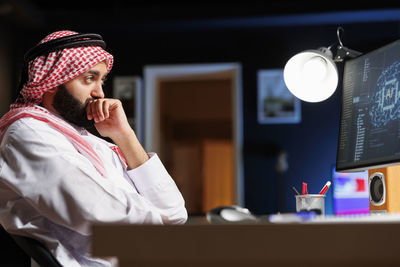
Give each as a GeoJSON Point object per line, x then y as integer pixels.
{"type": "Point", "coordinates": [155, 74]}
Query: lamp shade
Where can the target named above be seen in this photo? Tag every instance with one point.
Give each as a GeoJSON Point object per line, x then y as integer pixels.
{"type": "Point", "coordinates": [311, 75]}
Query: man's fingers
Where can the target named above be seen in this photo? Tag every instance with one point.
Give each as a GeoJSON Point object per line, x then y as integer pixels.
{"type": "Point", "coordinates": [89, 112]}
{"type": "Point", "coordinates": [106, 109]}
{"type": "Point", "coordinates": [92, 110]}
{"type": "Point", "coordinates": [100, 109]}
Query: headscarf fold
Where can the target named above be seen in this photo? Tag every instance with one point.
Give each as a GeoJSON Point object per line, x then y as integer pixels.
{"type": "Point", "coordinates": [49, 71]}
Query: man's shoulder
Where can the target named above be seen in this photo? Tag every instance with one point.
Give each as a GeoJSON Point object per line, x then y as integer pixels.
{"type": "Point", "coordinates": [28, 124]}
{"type": "Point", "coordinates": [29, 128]}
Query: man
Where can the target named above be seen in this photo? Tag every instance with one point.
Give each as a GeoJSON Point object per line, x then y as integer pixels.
{"type": "Point", "coordinates": [55, 177]}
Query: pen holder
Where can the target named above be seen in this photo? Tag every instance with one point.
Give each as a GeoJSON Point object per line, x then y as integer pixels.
{"type": "Point", "coordinates": [311, 202]}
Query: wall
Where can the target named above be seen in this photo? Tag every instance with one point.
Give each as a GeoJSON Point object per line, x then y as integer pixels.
{"type": "Point", "coordinates": [5, 72]}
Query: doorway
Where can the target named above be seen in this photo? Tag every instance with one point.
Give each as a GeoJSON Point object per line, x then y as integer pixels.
{"type": "Point", "coordinates": [193, 120]}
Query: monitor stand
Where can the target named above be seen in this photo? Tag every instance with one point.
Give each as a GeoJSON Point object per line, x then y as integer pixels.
{"type": "Point", "coordinates": [384, 189]}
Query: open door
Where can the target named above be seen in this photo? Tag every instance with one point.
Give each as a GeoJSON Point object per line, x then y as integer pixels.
{"type": "Point", "coordinates": [192, 121]}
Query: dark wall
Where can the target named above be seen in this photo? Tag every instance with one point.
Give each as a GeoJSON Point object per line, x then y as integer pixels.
{"type": "Point", "coordinates": [311, 145]}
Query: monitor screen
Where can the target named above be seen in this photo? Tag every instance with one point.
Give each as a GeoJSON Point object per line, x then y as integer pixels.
{"type": "Point", "coordinates": [350, 192]}
{"type": "Point", "coordinates": [369, 135]}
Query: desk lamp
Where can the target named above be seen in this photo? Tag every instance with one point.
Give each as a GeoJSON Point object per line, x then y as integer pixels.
{"type": "Point", "coordinates": [312, 75]}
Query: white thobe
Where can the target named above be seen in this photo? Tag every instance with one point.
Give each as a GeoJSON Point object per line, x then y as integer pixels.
{"type": "Point", "coordinates": [51, 192]}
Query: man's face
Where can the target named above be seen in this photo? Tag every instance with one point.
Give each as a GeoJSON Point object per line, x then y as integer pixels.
{"type": "Point", "coordinates": [71, 98]}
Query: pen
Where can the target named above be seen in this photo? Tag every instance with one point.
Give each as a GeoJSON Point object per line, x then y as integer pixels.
{"type": "Point", "coordinates": [304, 190]}
{"type": "Point", "coordinates": [325, 188]}
{"type": "Point", "coordinates": [295, 191]}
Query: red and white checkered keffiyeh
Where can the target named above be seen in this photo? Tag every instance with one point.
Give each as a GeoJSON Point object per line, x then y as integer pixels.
{"type": "Point", "coordinates": [49, 71]}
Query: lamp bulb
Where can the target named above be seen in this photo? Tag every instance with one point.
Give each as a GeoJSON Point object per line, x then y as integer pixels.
{"type": "Point", "coordinates": [315, 69]}
{"type": "Point", "coordinates": [311, 75]}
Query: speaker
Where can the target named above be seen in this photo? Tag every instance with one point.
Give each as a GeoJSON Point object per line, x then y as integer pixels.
{"type": "Point", "coordinates": [384, 190]}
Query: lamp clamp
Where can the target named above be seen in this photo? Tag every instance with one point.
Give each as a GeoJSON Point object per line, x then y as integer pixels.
{"type": "Point", "coordinates": [343, 52]}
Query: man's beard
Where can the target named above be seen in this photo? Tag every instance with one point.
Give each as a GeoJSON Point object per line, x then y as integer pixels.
{"type": "Point", "coordinates": [70, 108]}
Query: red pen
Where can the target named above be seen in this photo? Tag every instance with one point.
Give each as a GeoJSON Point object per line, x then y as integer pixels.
{"type": "Point", "coordinates": [325, 188]}
{"type": "Point", "coordinates": [304, 189]}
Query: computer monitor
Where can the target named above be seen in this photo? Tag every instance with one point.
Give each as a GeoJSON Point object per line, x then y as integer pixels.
{"type": "Point", "coordinates": [369, 135]}
{"type": "Point", "coordinates": [350, 192]}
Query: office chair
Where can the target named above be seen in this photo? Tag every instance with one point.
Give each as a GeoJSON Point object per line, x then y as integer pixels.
{"type": "Point", "coordinates": [28, 248]}
{"type": "Point", "coordinates": [11, 254]}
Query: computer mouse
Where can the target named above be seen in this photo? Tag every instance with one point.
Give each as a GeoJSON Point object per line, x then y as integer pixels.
{"type": "Point", "coordinates": [230, 214]}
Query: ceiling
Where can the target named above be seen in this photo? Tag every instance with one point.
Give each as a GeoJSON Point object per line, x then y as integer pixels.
{"type": "Point", "coordinates": [39, 13]}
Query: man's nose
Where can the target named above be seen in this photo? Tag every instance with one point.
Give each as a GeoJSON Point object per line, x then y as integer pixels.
{"type": "Point", "coordinates": [98, 91]}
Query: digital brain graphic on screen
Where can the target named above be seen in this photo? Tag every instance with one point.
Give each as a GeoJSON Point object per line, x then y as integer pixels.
{"type": "Point", "coordinates": [385, 103]}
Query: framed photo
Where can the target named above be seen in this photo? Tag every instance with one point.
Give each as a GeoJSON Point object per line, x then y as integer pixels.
{"type": "Point", "coordinates": [128, 89]}
{"type": "Point", "coordinates": [275, 103]}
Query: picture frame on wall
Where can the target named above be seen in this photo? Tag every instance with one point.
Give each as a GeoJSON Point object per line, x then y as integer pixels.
{"type": "Point", "coordinates": [128, 89]}
{"type": "Point", "coordinates": [275, 103]}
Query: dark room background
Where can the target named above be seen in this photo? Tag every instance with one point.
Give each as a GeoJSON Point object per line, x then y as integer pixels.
{"type": "Point", "coordinates": [261, 40]}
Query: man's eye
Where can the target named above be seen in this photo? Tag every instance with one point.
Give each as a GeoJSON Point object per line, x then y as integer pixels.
{"type": "Point", "coordinates": [89, 79]}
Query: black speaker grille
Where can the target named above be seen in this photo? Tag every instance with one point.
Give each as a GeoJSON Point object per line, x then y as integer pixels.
{"type": "Point", "coordinates": [376, 189]}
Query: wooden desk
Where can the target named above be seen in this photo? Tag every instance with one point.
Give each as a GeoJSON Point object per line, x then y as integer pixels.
{"type": "Point", "coordinates": [326, 245]}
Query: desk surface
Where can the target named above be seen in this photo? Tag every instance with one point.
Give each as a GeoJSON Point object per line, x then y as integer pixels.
{"type": "Point", "coordinates": [355, 244]}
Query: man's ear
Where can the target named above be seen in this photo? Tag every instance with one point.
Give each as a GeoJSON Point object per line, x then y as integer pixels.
{"type": "Point", "coordinates": [52, 90]}
{"type": "Point", "coordinates": [47, 98]}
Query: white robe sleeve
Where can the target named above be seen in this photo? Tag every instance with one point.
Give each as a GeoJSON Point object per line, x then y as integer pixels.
{"type": "Point", "coordinates": [42, 166]}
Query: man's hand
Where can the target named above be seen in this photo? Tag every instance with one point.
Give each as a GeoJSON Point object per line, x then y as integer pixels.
{"type": "Point", "coordinates": [109, 117]}
{"type": "Point", "coordinates": [110, 121]}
